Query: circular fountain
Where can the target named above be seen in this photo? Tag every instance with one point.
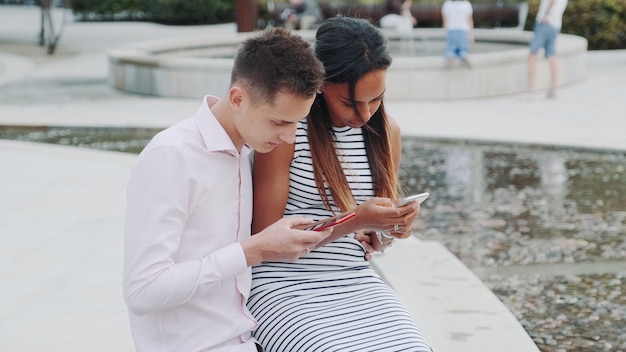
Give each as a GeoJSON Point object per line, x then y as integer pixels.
{"type": "Point", "coordinates": [193, 67]}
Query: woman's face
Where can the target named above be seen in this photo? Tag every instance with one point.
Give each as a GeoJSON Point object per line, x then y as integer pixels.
{"type": "Point", "coordinates": [368, 95]}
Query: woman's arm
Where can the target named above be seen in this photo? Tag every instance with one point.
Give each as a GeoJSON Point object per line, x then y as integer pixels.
{"type": "Point", "coordinates": [270, 179]}
{"type": "Point", "coordinates": [271, 189]}
{"type": "Point", "coordinates": [378, 214]}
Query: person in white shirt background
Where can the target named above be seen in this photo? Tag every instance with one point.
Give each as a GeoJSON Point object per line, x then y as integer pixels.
{"type": "Point", "coordinates": [302, 14]}
{"type": "Point", "coordinates": [458, 21]}
{"type": "Point", "coordinates": [547, 27]}
{"type": "Point", "coordinates": [187, 248]}
{"type": "Point", "coordinates": [398, 16]}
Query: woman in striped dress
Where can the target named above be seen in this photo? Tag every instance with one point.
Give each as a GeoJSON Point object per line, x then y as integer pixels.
{"type": "Point", "coordinates": [345, 156]}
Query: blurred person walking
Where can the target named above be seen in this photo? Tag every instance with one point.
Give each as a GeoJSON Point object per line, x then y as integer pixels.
{"type": "Point", "coordinates": [302, 14]}
{"type": "Point", "coordinates": [547, 27]}
{"type": "Point", "coordinates": [458, 21]}
{"type": "Point", "coordinates": [398, 15]}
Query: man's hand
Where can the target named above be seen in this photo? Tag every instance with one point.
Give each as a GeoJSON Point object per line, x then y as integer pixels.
{"type": "Point", "coordinates": [280, 242]}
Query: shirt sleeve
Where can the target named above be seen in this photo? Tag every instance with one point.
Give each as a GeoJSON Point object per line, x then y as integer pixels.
{"type": "Point", "coordinates": [157, 208]}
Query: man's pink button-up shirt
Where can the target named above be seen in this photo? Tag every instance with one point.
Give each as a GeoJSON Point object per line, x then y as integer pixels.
{"type": "Point", "coordinates": [189, 205]}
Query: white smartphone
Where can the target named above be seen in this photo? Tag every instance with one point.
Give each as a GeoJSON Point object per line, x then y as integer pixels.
{"type": "Point", "coordinates": [326, 223]}
{"type": "Point", "coordinates": [414, 198]}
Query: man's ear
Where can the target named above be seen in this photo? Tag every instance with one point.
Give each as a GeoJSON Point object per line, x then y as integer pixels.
{"type": "Point", "coordinates": [236, 96]}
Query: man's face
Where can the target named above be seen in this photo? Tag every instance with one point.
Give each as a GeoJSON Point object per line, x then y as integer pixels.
{"type": "Point", "coordinates": [264, 126]}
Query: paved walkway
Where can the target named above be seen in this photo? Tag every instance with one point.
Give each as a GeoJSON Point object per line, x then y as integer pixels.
{"type": "Point", "coordinates": [59, 206]}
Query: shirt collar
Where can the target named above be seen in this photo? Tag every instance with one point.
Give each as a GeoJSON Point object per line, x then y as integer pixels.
{"type": "Point", "coordinates": [213, 134]}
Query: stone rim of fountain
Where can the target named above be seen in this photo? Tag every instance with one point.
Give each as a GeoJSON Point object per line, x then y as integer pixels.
{"type": "Point", "coordinates": [164, 68]}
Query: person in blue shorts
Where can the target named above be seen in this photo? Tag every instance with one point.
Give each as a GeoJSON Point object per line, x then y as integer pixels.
{"type": "Point", "coordinates": [547, 27]}
{"type": "Point", "coordinates": [458, 21]}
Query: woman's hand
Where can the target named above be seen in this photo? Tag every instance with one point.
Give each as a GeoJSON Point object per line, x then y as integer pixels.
{"type": "Point", "coordinates": [403, 227]}
{"type": "Point", "coordinates": [379, 214]}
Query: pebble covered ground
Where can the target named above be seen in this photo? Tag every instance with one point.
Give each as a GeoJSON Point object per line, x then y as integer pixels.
{"type": "Point", "coordinates": [544, 228]}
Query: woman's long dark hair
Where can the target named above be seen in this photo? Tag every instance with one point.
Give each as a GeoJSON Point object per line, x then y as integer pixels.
{"type": "Point", "coordinates": [349, 48]}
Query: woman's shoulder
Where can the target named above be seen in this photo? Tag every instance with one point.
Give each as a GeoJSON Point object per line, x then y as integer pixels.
{"type": "Point", "coordinates": [394, 126]}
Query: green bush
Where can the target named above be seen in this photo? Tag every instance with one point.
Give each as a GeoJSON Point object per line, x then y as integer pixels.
{"type": "Point", "coordinates": [602, 22]}
{"type": "Point", "coordinates": [365, 2]}
{"type": "Point", "coordinates": [189, 11]}
{"type": "Point", "coordinates": [106, 9]}
{"type": "Point", "coordinates": [181, 12]}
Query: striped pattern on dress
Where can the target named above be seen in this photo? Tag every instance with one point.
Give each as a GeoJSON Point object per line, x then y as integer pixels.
{"type": "Point", "coordinates": [330, 299]}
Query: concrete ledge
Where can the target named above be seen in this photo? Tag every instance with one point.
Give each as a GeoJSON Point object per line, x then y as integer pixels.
{"type": "Point", "coordinates": [194, 66]}
{"type": "Point", "coordinates": [62, 272]}
{"type": "Point", "coordinates": [61, 220]}
{"type": "Point", "coordinates": [456, 311]}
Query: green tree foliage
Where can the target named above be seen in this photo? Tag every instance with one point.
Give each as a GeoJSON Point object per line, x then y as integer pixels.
{"type": "Point", "coordinates": [190, 11]}
{"type": "Point", "coordinates": [106, 9]}
{"type": "Point", "coordinates": [181, 12]}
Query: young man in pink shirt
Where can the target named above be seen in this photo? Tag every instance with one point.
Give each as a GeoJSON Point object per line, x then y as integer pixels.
{"type": "Point", "coordinates": [188, 249]}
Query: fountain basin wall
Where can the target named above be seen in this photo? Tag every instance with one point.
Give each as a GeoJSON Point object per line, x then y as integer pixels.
{"type": "Point", "coordinates": [196, 66]}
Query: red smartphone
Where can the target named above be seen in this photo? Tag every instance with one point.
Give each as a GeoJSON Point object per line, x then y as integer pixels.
{"type": "Point", "coordinates": [326, 223]}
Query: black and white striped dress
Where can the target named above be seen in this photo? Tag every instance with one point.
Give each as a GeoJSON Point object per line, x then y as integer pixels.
{"type": "Point", "coordinates": [330, 299]}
